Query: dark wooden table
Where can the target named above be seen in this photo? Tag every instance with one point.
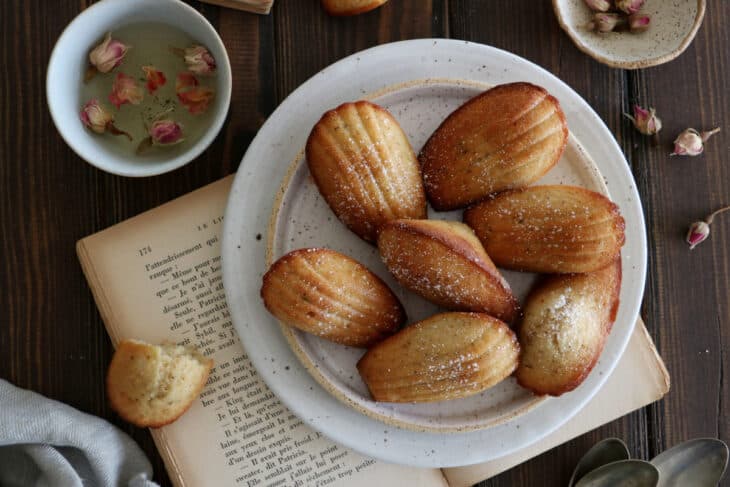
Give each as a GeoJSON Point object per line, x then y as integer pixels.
{"type": "Point", "coordinates": [52, 339]}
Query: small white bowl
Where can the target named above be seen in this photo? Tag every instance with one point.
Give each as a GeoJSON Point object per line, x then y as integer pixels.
{"type": "Point", "coordinates": [674, 24]}
{"type": "Point", "coordinates": [69, 62]}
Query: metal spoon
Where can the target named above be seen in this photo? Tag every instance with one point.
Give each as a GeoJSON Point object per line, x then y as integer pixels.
{"type": "Point", "coordinates": [699, 463]}
{"type": "Point", "coordinates": [624, 473]}
{"type": "Point", "coordinates": [605, 451]}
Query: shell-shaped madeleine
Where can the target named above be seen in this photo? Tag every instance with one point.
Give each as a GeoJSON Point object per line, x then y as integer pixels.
{"type": "Point", "coordinates": [365, 168]}
{"type": "Point", "coordinates": [565, 324]}
{"type": "Point", "coordinates": [549, 229]}
{"type": "Point", "coordinates": [505, 138]}
{"type": "Point", "coordinates": [445, 263]}
{"type": "Point", "coordinates": [330, 295]}
{"type": "Point", "coordinates": [446, 356]}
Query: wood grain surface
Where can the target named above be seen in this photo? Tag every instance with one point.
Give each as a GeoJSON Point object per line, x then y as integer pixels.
{"type": "Point", "coordinates": [51, 337]}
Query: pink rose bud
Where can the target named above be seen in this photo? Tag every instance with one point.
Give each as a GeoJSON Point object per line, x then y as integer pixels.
{"type": "Point", "coordinates": [94, 117]}
{"type": "Point", "coordinates": [645, 121]}
{"type": "Point", "coordinates": [108, 55]}
{"type": "Point", "coordinates": [605, 22]}
{"type": "Point", "coordinates": [629, 6]}
{"type": "Point", "coordinates": [639, 22]}
{"type": "Point", "coordinates": [166, 132]}
{"type": "Point", "coordinates": [698, 233]}
{"type": "Point", "coordinates": [199, 60]}
{"type": "Point", "coordinates": [598, 5]}
{"type": "Point", "coordinates": [154, 78]}
{"type": "Point", "coordinates": [125, 90]}
{"type": "Point", "coordinates": [691, 142]}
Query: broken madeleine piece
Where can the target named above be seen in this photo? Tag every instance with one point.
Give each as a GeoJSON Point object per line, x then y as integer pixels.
{"type": "Point", "coordinates": [330, 295]}
{"type": "Point", "coordinates": [151, 385]}
{"type": "Point", "coordinates": [444, 262]}
{"type": "Point", "coordinates": [447, 356]}
{"type": "Point", "coordinates": [507, 137]}
{"type": "Point", "coordinates": [549, 229]}
{"type": "Point", "coordinates": [365, 168]}
{"type": "Point", "coordinates": [350, 7]}
{"type": "Point", "coordinates": [567, 319]}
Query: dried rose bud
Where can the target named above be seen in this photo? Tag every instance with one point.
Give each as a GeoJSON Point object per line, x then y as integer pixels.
{"type": "Point", "coordinates": [639, 22]}
{"type": "Point", "coordinates": [166, 132]}
{"type": "Point", "coordinates": [155, 78]}
{"type": "Point", "coordinates": [191, 95]}
{"type": "Point", "coordinates": [605, 22]}
{"type": "Point", "coordinates": [125, 90]}
{"type": "Point", "coordinates": [645, 121]}
{"type": "Point", "coordinates": [691, 142]}
{"type": "Point", "coordinates": [99, 120]}
{"type": "Point", "coordinates": [598, 5]}
{"type": "Point", "coordinates": [106, 56]}
{"type": "Point", "coordinates": [199, 60]}
{"type": "Point", "coordinates": [629, 6]}
{"type": "Point", "coordinates": [699, 231]}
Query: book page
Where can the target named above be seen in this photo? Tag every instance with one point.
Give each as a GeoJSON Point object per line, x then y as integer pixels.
{"type": "Point", "coordinates": [157, 277]}
{"type": "Point", "coordinates": [640, 378]}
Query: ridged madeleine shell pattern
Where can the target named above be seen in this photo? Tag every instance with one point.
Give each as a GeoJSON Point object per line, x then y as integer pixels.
{"type": "Point", "coordinates": [330, 295]}
{"type": "Point", "coordinates": [365, 168]}
{"type": "Point", "coordinates": [549, 229]}
{"type": "Point", "coordinates": [565, 324]}
{"type": "Point", "coordinates": [444, 262]}
{"type": "Point", "coordinates": [507, 137]}
{"type": "Point", "coordinates": [446, 356]}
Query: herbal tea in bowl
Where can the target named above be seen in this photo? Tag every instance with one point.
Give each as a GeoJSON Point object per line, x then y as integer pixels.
{"type": "Point", "coordinates": [139, 87]}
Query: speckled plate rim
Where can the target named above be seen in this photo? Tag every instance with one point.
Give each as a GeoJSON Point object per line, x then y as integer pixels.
{"type": "Point", "coordinates": [644, 63]}
{"type": "Point", "coordinates": [249, 208]}
{"type": "Point", "coordinates": [291, 334]}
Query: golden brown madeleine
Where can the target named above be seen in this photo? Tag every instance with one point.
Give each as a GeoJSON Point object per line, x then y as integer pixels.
{"type": "Point", "coordinates": [549, 229]}
{"type": "Point", "coordinates": [446, 356]}
{"type": "Point", "coordinates": [330, 295]}
{"type": "Point", "coordinates": [507, 137]}
{"type": "Point", "coordinates": [565, 324]}
{"type": "Point", "coordinates": [365, 167]}
{"type": "Point", "coordinates": [350, 7]}
{"type": "Point", "coordinates": [445, 263]}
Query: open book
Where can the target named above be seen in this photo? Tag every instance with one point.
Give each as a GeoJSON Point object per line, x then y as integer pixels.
{"type": "Point", "coordinates": [157, 277]}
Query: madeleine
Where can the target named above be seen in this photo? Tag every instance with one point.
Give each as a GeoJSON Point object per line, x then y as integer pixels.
{"type": "Point", "coordinates": [350, 7]}
{"type": "Point", "coordinates": [445, 263]}
{"type": "Point", "coordinates": [566, 321]}
{"type": "Point", "coordinates": [330, 295]}
{"type": "Point", "coordinates": [549, 229]}
{"type": "Point", "coordinates": [447, 356]}
{"type": "Point", "coordinates": [507, 137]}
{"type": "Point", "coordinates": [365, 168]}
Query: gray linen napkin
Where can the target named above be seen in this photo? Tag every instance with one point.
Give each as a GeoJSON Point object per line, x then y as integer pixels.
{"type": "Point", "coordinates": [47, 443]}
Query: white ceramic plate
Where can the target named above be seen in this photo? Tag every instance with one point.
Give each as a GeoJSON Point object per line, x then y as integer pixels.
{"type": "Point", "coordinates": [394, 75]}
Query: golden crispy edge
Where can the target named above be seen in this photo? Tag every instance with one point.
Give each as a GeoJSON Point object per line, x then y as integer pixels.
{"type": "Point", "coordinates": [331, 7]}
{"type": "Point", "coordinates": [362, 364]}
{"type": "Point", "coordinates": [359, 229]}
{"type": "Point", "coordinates": [429, 155]}
{"type": "Point", "coordinates": [460, 246]}
{"type": "Point", "coordinates": [283, 260]}
{"type": "Point", "coordinates": [124, 347]}
{"type": "Point", "coordinates": [578, 379]}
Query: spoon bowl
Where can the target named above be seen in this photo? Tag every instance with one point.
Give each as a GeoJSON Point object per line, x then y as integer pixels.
{"type": "Point", "coordinates": [624, 473]}
{"type": "Point", "coordinates": [604, 452]}
{"type": "Point", "coordinates": [699, 463]}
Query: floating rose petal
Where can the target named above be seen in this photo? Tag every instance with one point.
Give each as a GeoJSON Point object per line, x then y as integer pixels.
{"type": "Point", "coordinates": [166, 132]}
{"type": "Point", "coordinates": [125, 90]}
{"type": "Point", "coordinates": [155, 78]}
{"type": "Point", "coordinates": [191, 95]}
{"type": "Point", "coordinates": [94, 117]}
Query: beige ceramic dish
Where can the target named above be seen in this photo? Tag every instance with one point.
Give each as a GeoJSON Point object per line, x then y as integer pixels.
{"type": "Point", "coordinates": [674, 24]}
